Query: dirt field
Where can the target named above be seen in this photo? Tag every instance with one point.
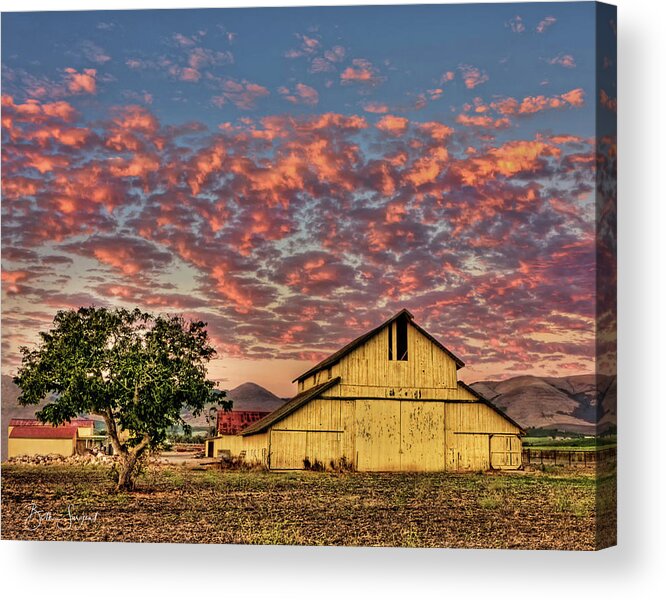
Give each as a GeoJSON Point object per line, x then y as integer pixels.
{"type": "Point", "coordinates": [182, 503]}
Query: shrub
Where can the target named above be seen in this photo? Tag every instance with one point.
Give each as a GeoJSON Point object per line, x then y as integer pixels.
{"type": "Point", "coordinates": [315, 465]}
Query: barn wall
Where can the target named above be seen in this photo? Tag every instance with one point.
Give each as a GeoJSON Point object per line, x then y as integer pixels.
{"type": "Point", "coordinates": [255, 447]}
{"type": "Point", "coordinates": [385, 435]}
{"type": "Point", "coordinates": [470, 430]}
{"type": "Point", "coordinates": [31, 446]}
{"type": "Point", "coordinates": [476, 417]}
{"type": "Point", "coordinates": [322, 430]}
{"type": "Point", "coordinates": [506, 452]}
{"type": "Point", "coordinates": [410, 435]}
{"type": "Point", "coordinates": [428, 368]}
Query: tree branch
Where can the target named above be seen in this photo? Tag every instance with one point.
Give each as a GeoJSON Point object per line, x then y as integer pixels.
{"type": "Point", "coordinates": [141, 446]}
{"type": "Point", "coordinates": [112, 430]}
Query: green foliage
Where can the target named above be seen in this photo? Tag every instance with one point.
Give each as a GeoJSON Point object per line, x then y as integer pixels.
{"type": "Point", "coordinates": [567, 443]}
{"type": "Point", "coordinates": [491, 501]}
{"type": "Point", "coordinates": [135, 369]}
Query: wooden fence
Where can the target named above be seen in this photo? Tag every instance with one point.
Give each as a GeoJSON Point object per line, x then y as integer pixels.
{"type": "Point", "coordinates": [582, 457]}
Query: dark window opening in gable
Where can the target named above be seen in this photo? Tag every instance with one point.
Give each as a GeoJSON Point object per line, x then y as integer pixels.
{"type": "Point", "coordinates": [390, 342]}
{"type": "Point", "coordinates": [401, 337]}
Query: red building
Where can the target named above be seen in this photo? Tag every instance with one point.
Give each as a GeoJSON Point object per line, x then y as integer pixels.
{"type": "Point", "coordinates": [231, 422]}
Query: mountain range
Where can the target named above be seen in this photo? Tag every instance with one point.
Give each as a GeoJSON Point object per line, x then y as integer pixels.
{"type": "Point", "coordinates": [576, 404]}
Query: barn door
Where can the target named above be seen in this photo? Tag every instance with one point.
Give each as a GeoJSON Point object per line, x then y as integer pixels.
{"type": "Point", "coordinates": [470, 452]}
{"type": "Point", "coordinates": [287, 449]}
{"type": "Point", "coordinates": [504, 451]}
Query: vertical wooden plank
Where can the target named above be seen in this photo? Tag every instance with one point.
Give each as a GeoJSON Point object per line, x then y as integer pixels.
{"type": "Point", "coordinates": [378, 435]}
{"type": "Point", "coordinates": [422, 436]}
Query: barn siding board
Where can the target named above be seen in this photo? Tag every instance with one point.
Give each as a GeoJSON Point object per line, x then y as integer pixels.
{"type": "Point", "coordinates": [255, 447]}
{"type": "Point", "coordinates": [323, 447]}
{"type": "Point", "coordinates": [323, 430]}
{"type": "Point", "coordinates": [476, 417]}
{"type": "Point", "coordinates": [422, 436]}
{"type": "Point", "coordinates": [505, 452]}
{"type": "Point", "coordinates": [288, 449]}
{"type": "Point", "coordinates": [377, 435]}
{"type": "Point", "coordinates": [470, 452]}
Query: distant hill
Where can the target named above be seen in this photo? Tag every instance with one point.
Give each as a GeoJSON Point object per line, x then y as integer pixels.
{"type": "Point", "coordinates": [247, 396]}
{"type": "Point", "coordinates": [573, 404]}
{"type": "Point", "coordinates": [250, 396]}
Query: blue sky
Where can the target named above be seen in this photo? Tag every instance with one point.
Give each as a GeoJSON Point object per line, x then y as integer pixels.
{"type": "Point", "coordinates": [411, 46]}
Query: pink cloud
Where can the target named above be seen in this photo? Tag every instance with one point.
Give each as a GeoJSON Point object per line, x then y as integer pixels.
{"type": "Point", "coordinates": [243, 94]}
{"type": "Point", "coordinates": [516, 24]}
{"type": "Point", "coordinates": [574, 97]}
{"type": "Point", "coordinates": [301, 94]}
{"type": "Point", "coordinates": [94, 53]}
{"type": "Point", "coordinates": [607, 102]}
{"type": "Point", "coordinates": [545, 24]}
{"type": "Point", "coordinates": [375, 107]}
{"type": "Point", "coordinates": [533, 104]}
{"type": "Point", "coordinates": [563, 60]}
{"type": "Point", "coordinates": [335, 54]}
{"type": "Point", "coordinates": [482, 121]}
{"type": "Point", "coordinates": [224, 210]}
{"type": "Point", "coordinates": [362, 71]}
{"type": "Point", "coordinates": [129, 256]}
{"type": "Point", "coordinates": [472, 76]}
{"type": "Point", "coordinates": [447, 76]}
{"type": "Point", "coordinates": [81, 83]}
{"type": "Point", "coordinates": [393, 125]}
{"type": "Point", "coordinates": [189, 74]}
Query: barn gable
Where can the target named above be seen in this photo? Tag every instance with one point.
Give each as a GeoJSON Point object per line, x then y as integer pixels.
{"type": "Point", "coordinates": [398, 358]}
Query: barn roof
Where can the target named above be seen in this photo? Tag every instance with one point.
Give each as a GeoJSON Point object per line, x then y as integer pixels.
{"type": "Point", "coordinates": [288, 408]}
{"type": "Point", "coordinates": [43, 432]}
{"type": "Point", "coordinates": [38, 423]}
{"type": "Point", "coordinates": [489, 404]}
{"type": "Point", "coordinates": [351, 346]}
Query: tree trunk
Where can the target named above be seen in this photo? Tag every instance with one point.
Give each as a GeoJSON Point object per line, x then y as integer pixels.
{"type": "Point", "coordinates": [128, 463]}
{"type": "Point", "coordinates": [126, 467]}
{"type": "Point", "coordinates": [129, 457]}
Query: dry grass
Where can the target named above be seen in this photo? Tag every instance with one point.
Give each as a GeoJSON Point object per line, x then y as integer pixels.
{"type": "Point", "coordinates": [179, 504]}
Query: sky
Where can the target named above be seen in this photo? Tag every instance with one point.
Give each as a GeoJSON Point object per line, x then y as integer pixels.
{"type": "Point", "coordinates": [294, 177]}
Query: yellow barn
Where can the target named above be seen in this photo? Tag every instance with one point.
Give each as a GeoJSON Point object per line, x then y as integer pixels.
{"type": "Point", "coordinates": [388, 401]}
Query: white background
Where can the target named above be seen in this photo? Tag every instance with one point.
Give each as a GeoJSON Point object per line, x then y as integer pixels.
{"type": "Point", "coordinates": [634, 569]}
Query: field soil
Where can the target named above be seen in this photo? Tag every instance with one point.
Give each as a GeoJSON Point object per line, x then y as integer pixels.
{"type": "Point", "coordinates": [195, 503]}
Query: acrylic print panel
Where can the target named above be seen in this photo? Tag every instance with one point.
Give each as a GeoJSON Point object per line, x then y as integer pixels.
{"type": "Point", "coordinates": [326, 275]}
